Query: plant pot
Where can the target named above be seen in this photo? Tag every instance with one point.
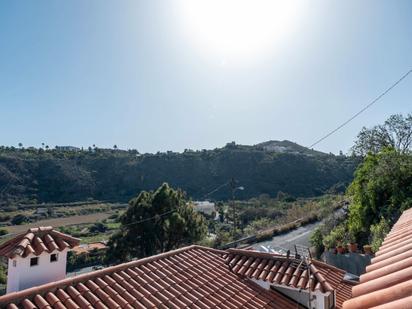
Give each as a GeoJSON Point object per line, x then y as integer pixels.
{"type": "Point", "coordinates": [340, 249]}
{"type": "Point", "coordinates": [367, 249]}
{"type": "Point", "coordinates": [353, 247]}
{"type": "Point", "coordinates": [331, 250]}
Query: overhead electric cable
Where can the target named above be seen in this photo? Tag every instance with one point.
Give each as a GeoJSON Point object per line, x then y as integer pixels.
{"type": "Point", "coordinates": [216, 189]}
{"type": "Point", "coordinates": [170, 211]}
{"type": "Point", "coordinates": [362, 110]}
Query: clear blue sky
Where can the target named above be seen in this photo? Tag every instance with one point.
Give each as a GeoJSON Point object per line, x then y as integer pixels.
{"type": "Point", "coordinates": [132, 73]}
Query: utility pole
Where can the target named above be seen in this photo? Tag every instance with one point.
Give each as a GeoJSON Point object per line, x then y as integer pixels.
{"type": "Point", "coordinates": [232, 187]}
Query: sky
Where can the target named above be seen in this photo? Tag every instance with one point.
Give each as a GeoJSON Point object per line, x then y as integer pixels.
{"type": "Point", "coordinates": [169, 75]}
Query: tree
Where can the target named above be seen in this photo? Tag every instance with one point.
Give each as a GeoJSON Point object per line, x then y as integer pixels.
{"type": "Point", "coordinates": [381, 188]}
{"type": "Point", "coordinates": [221, 211]}
{"type": "Point", "coordinates": [396, 132]}
{"type": "Point", "coordinates": [156, 222]}
{"type": "Point", "coordinates": [114, 146]}
{"type": "Point", "coordinates": [20, 145]}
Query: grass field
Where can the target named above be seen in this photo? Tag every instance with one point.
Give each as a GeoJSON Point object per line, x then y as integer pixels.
{"type": "Point", "coordinates": [57, 222]}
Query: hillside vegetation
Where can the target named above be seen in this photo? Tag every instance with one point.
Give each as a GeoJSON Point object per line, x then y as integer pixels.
{"type": "Point", "coordinates": [381, 189]}
{"type": "Point", "coordinates": [38, 175]}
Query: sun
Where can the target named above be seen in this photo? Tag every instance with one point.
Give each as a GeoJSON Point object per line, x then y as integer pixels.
{"type": "Point", "coordinates": [238, 29]}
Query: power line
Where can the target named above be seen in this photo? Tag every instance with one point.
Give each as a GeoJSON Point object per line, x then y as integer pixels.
{"type": "Point", "coordinates": [150, 218]}
{"type": "Point", "coordinates": [171, 211]}
{"type": "Point", "coordinates": [216, 189]}
{"type": "Point", "coordinates": [362, 110]}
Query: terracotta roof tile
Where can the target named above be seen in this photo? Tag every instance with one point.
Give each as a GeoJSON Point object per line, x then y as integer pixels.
{"type": "Point", "coordinates": [278, 269]}
{"type": "Point", "coordinates": [37, 240]}
{"type": "Point", "coordinates": [387, 282]}
{"type": "Point", "coordinates": [193, 277]}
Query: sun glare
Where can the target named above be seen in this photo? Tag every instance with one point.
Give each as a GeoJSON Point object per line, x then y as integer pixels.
{"type": "Point", "coordinates": [238, 28]}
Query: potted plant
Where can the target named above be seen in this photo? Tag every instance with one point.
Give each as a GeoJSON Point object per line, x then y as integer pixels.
{"type": "Point", "coordinates": [340, 248]}
{"type": "Point", "coordinates": [330, 243]}
{"type": "Point", "coordinates": [352, 245]}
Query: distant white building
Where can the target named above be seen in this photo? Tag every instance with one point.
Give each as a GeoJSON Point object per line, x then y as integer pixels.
{"type": "Point", "coordinates": [36, 257]}
{"type": "Point", "coordinates": [205, 207]}
{"type": "Point", "coordinates": [41, 211]}
{"type": "Point", "coordinates": [275, 148]}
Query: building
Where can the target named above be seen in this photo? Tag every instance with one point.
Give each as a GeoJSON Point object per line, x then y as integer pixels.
{"type": "Point", "coordinates": [205, 207]}
{"type": "Point", "coordinates": [387, 283]}
{"type": "Point", "coordinates": [41, 211]}
{"type": "Point", "coordinates": [36, 257]}
{"type": "Point", "coordinates": [194, 277]}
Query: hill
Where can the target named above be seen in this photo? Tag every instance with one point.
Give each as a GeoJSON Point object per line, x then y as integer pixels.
{"type": "Point", "coordinates": [37, 175]}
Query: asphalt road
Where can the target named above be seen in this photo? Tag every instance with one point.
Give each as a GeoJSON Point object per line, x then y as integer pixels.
{"type": "Point", "coordinates": [299, 236]}
{"type": "Point", "coordinates": [287, 241]}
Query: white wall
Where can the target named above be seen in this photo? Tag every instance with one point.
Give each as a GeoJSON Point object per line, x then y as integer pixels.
{"type": "Point", "coordinates": [319, 300]}
{"type": "Point", "coordinates": [23, 276]}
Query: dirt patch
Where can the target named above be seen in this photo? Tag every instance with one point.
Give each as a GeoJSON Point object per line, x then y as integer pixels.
{"type": "Point", "coordinates": [57, 222]}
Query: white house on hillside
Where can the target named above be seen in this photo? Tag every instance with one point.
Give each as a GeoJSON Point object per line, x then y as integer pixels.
{"type": "Point", "coordinates": [204, 207]}
{"type": "Point", "coordinates": [36, 257]}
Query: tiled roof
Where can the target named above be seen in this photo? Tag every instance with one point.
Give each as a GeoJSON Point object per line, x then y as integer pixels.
{"type": "Point", "coordinates": [37, 240]}
{"type": "Point", "coordinates": [194, 277]}
{"type": "Point", "coordinates": [387, 282]}
{"type": "Point", "coordinates": [291, 272]}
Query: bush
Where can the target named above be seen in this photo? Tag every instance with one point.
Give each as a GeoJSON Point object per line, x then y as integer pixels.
{"type": "Point", "coordinates": [381, 188]}
{"type": "Point", "coordinates": [98, 228]}
{"type": "Point", "coordinates": [4, 218]}
{"type": "Point", "coordinates": [378, 233]}
{"type": "Point", "coordinates": [316, 240]}
{"type": "Point", "coordinates": [336, 237]}
{"type": "Point", "coordinates": [114, 216]}
{"type": "Point", "coordinates": [3, 275]}
{"type": "Point", "coordinates": [264, 236]}
{"type": "Point", "coordinates": [258, 225]}
{"type": "Point", "coordinates": [19, 219]}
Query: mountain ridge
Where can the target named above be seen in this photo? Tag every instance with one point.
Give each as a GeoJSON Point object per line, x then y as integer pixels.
{"type": "Point", "coordinates": [37, 175]}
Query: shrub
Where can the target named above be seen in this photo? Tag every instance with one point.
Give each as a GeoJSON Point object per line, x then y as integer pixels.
{"type": "Point", "coordinates": [4, 218]}
{"type": "Point", "coordinates": [98, 227]}
{"type": "Point", "coordinates": [335, 238]}
{"type": "Point", "coordinates": [316, 240]}
{"type": "Point", "coordinates": [264, 236]}
{"type": "Point", "coordinates": [19, 219]}
{"type": "Point", "coordinates": [378, 233]}
{"type": "Point", "coordinates": [3, 275]}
